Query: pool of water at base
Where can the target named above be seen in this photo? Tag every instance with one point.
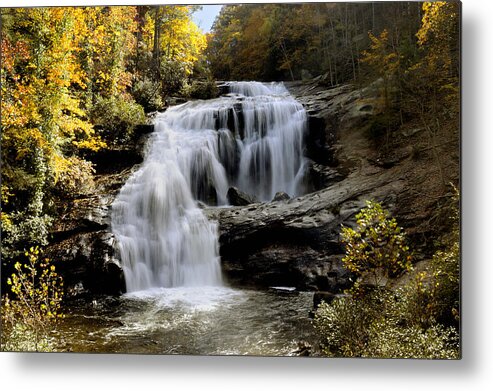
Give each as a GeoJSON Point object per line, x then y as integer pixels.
{"type": "Point", "coordinates": [198, 321]}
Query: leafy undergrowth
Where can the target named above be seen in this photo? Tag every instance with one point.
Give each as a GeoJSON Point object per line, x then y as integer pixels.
{"type": "Point", "coordinates": [419, 319]}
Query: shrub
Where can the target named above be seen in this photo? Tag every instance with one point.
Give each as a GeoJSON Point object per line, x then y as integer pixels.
{"type": "Point", "coordinates": [76, 177]}
{"type": "Point", "coordinates": [378, 325]}
{"type": "Point", "coordinates": [376, 245]}
{"type": "Point", "coordinates": [344, 326]}
{"type": "Point", "coordinates": [147, 93]}
{"type": "Point", "coordinates": [439, 285]}
{"type": "Point", "coordinates": [200, 89]}
{"type": "Point", "coordinates": [394, 341]}
{"type": "Point", "coordinates": [29, 315]}
{"type": "Point", "coordinates": [21, 227]}
{"type": "Point", "coordinates": [409, 322]}
{"type": "Point", "coordinates": [445, 269]}
{"type": "Point", "coordinates": [116, 117]}
{"type": "Point", "coordinates": [173, 74]}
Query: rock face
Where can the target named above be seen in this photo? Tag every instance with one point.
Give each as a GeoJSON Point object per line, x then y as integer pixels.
{"type": "Point", "coordinates": [296, 243]}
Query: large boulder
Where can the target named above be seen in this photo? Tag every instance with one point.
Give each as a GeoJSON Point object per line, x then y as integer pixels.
{"type": "Point", "coordinates": [281, 196]}
{"type": "Point", "coordinates": [236, 197]}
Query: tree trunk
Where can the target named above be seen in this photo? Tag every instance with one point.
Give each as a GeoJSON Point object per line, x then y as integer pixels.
{"type": "Point", "coordinates": [283, 48]}
{"type": "Point", "coordinates": [156, 52]}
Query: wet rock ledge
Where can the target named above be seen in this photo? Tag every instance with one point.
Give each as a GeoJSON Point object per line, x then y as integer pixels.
{"type": "Point", "coordinates": [296, 242]}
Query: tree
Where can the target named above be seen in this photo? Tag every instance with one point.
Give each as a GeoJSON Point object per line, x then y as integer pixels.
{"type": "Point", "coordinates": [431, 83]}
{"type": "Point", "coordinates": [385, 61]}
{"type": "Point", "coordinates": [43, 121]}
{"type": "Point", "coordinates": [169, 47]}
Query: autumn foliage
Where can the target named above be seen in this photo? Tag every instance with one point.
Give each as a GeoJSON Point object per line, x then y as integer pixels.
{"type": "Point", "coordinates": [377, 244]}
{"type": "Point", "coordinates": [67, 79]}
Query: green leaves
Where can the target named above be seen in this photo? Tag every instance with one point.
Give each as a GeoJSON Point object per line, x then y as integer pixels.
{"type": "Point", "coordinates": [116, 117]}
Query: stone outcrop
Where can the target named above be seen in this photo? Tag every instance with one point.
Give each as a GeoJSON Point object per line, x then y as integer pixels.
{"type": "Point", "coordinates": [81, 237]}
{"type": "Point", "coordinates": [236, 197]}
{"type": "Point", "coordinates": [281, 196]}
{"type": "Point", "coordinates": [296, 242]}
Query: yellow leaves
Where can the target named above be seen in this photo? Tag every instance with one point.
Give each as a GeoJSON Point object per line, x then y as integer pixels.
{"type": "Point", "coordinates": [103, 77]}
{"type": "Point", "coordinates": [429, 22]}
{"type": "Point", "coordinates": [110, 40]}
{"type": "Point", "coordinates": [377, 243]}
{"type": "Point", "coordinates": [181, 39]}
{"type": "Point", "coordinates": [59, 164]}
{"type": "Point", "coordinates": [36, 296]}
{"type": "Point", "coordinates": [6, 195]}
{"type": "Point", "coordinates": [45, 85]}
{"type": "Point", "coordinates": [381, 55]}
{"type": "Point", "coordinates": [438, 38]}
{"type": "Point", "coordinates": [94, 144]}
{"type": "Point", "coordinates": [18, 108]}
{"type": "Point", "coordinates": [27, 140]}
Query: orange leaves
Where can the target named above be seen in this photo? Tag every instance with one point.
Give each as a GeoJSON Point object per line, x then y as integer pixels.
{"type": "Point", "coordinates": [12, 53]}
{"type": "Point", "coordinates": [18, 108]}
{"type": "Point", "coordinates": [41, 80]}
{"type": "Point", "coordinates": [7, 55]}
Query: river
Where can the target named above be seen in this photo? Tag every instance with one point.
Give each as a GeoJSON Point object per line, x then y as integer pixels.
{"type": "Point", "coordinates": [200, 321]}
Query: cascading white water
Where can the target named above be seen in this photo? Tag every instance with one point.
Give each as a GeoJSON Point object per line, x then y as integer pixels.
{"type": "Point", "coordinates": [251, 138]}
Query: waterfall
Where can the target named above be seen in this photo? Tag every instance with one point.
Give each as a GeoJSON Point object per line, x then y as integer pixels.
{"type": "Point", "coordinates": [251, 138]}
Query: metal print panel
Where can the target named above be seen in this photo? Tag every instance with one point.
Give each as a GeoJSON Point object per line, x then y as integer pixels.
{"type": "Point", "coordinates": [247, 179]}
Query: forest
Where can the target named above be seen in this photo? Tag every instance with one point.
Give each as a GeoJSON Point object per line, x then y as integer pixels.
{"type": "Point", "coordinates": [79, 83]}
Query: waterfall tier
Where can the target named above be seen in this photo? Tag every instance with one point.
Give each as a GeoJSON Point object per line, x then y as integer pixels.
{"type": "Point", "coordinates": [251, 138]}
